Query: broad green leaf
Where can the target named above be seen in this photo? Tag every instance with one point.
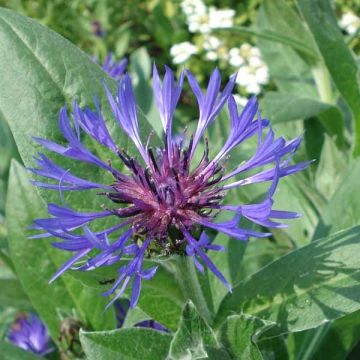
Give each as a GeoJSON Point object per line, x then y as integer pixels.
{"type": "Point", "coordinates": [281, 107]}
{"type": "Point", "coordinates": [331, 168]}
{"type": "Point", "coordinates": [193, 336]}
{"type": "Point", "coordinates": [296, 194]}
{"type": "Point", "coordinates": [11, 352]}
{"type": "Point", "coordinates": [12, 294]}
{"type": "Point", "coordinates": [290, 72]}
{"type": "Point", "coordinates": [305, 288]}
{"type": "Point", "coordinates": [125, 344]}
{"type": "Point", "coordinates": [237, 335]}
{"type": "Point", "coordinates": [242, 337]}
{"type": "Point", "coordinates": [343, 209]}
{"type": "Point", "coordinates": [260, 252]}
{"type": "Point", "coordinates": [36, 261]}
{"type": "Point", "coordinates": [335, 339]}
{"type": "Point", "coordinates": [53, 72]}
{"type": "Point", "coordinates": [339, 60]}
{"type": "Point", "coordinates": [284, 20]}
{"type": "Point", "coordinates": [286, 106]}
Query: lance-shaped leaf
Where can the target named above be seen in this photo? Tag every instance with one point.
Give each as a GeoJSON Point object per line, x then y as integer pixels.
{"type": "Point", "coordinates": [305, 288]}
{"type": "Point", "coordinates": [339, 60]}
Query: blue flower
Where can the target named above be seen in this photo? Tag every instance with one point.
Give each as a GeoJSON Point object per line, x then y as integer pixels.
{"type": "Point", "coordinates": [113, 68]}
{"type": "Point", "coordinates": [163, 196]}
{"type": "Point", "coordinates": [29, 333]}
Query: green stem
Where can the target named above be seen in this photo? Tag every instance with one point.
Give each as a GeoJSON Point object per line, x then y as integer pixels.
{"type": "Point", "coordinates": [190, 285]}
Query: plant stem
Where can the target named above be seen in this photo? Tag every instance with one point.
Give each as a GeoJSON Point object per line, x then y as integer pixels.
{"type": "Point", "coordinates": [190, 285]}
{"type": "Point", "coordinates": [323, 83]}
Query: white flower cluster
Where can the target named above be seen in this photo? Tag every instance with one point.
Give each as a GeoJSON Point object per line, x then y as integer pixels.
{"type": "Point", "coordinates": [182, 52]}
{"type": "Point", "coordinates": [252, 72]}
{"type": "Point", "coordinates": [350, 22]}
{"type": "Point", "coordinates": [201, 19]}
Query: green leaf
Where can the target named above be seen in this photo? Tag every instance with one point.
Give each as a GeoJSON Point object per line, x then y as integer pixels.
{"type": "Point", "coordinates": [228, 262]}
{"type": "Point", "coordinates": [7, 147]}
{"type": "Point", "coordinates": [13, 295]}
{"type": "Point", "coordinates": [11, 352]}
{"type": "Point", "coordinates": [285, 107]}
{"type": "Point", "coordinates": [284, 20]}
{"type": "Point", "coordinates": [241, 335]}
{"type": "Point", "coordinates": [260, 252]}
{"type": "Point", "coordinates": [36, 261]}
{"type": "Point", "coordinates": [281, 107]}
{"type": "Point", "coordinates": [343, 209]}
{"type": "Point", "coordinates": [335, 339]}
{"type": "Point", "coordinates": [193, 336]}
{"type": "Point", "coordinates": [331, 169]}
{"type": "Point", "coordinates": [125, 344]}
{"type": "Point", "coordinates": [297, 194]}
{"type": "Point", "coordinates": [141, 69]}
{"type": "Point", "coordinates": [305, 288]}
{"type": "Point", "coordinates": [291, 73]}
{"type": "Point", "coordinates": [238, 335]}
{"type": "Point", "coordinates": [339, 60]}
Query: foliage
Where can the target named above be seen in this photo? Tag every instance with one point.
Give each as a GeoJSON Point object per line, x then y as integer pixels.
{"type": "Point", "coordinates": [296, 294]}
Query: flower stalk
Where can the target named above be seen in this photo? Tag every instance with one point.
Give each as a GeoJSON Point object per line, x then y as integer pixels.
{"type": "Point", "coordinates": [187, 277]}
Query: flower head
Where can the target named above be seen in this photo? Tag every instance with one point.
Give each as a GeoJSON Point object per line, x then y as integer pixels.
{"type": "Point", "coordinates": [166, 195]}
{"type": "Point", "coordinates": [29, 333]}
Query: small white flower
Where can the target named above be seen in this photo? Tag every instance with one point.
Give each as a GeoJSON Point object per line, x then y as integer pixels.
{"type": "Point", "coordinates": [198, 23]}
{"type": "Point", "coordinates": [221, 17]}
{"type": "Point", "coordinates": [240, 100]}
{"type": "Point", "coordinates": [350, 22]}
{"type": "Point", "coordinates": [262, 75]}
{"type": "Point", "coordinates": [211, 43]}
{"type": "Point", "coordinates": [211, 55]}
{"type": "Point", "coordinates": [190, 7]}
{"type": "Point", "coordinates": [245, 50]}
{"type": "Point", "coordinates": [253, 88]}
{"type": "Point", "coordinates": [247, 78]}
{"type": "Point", "coordinates": [252, 72]}
{"type": "Point", "coordinates": [182, 52]}
{"type": "Point", "coordinates": [255, 61]}
{"type": "Point", "coordinates": [235, 58]}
